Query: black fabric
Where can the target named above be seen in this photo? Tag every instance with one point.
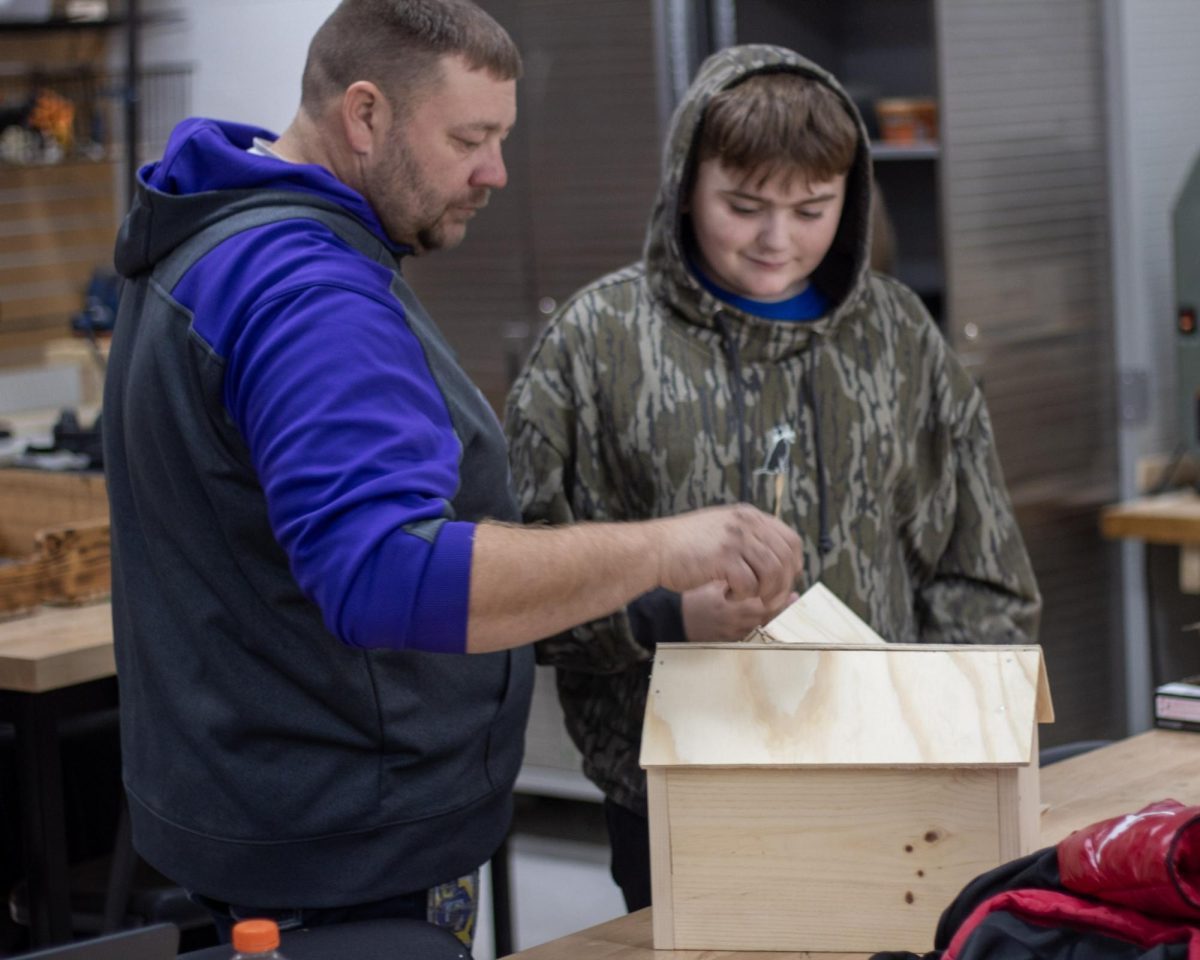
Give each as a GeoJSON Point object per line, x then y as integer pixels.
{"type": "Point", "coordinates": [629, 838]}
{"type": "Point", "coordinates": [657, 617]}
{"type": "Point", "coordinates": [408, 906]}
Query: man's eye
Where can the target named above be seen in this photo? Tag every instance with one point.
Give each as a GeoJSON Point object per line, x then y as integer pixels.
{"type": "Point", "coordinates": [469, 144]}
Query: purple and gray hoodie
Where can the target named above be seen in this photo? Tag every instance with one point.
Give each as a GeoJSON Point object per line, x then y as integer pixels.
{"type": "Point", "coordinates": [295, 465]}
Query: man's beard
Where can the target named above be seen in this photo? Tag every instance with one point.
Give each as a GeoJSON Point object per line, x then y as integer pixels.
{"type": "Point", "coordinates": [411, 210]}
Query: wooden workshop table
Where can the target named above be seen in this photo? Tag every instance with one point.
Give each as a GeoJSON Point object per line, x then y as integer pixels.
{"type": "Point", "coordinates": [55, 663]}
{"type": "Point", "coordinates": [1171, 519]}
{"type": "Point", "coordinates": [1114, 780]}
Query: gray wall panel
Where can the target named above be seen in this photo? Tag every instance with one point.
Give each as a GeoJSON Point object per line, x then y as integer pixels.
{"type": "Point", "coordinates": [1027, 245]}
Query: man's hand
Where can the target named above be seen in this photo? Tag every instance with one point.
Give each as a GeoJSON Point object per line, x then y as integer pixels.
{"type": "Point", "coordinates": [709, 616]}
{"type": "Point", "coordinates": [755, 555]}
{"type": "Point", "coordinates": [532, 583]}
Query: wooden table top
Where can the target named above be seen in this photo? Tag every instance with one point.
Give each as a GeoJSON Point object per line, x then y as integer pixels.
{"type": "Point", "coordinates": [1117, 779]}
{"type": "Point", "coordinates": [1167, 518]}
{"type": "Point", "coordinates": [56, 647]}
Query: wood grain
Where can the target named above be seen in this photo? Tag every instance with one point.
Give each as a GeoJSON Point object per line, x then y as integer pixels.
{"type": "Point", "coordinates": [32, 500]}
{"type": "Point", "coordinates": [70, 564]}
{"type": "Point", "coordinates": [817, 617]}
{"type": "Point", "coordinates": [799, 705]}
{"type": "Point", "coordinates": [1168, 518]}
{"type": "Point", "coordinates": [831, 859]}
{"type": "Point", "coordinates": [661, 871]}
{"type": "Point", "coordinates": [56, 648]}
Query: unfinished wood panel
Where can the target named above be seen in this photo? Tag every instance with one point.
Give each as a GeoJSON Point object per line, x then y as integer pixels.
{"type": "Point", "coordinates": [1169, 518]}
{"type": "Point", "coordinates": [32, 500]}
{"type": "Point", "coordinates": [69, 564]}
{"type": "Point", "coordinates": [1134, 772]}
{"type": "Point", "coordinates": [771, 860]}
{"type": "Point", "coordinates": [1019, 807]}
{"type": "Point", "coordinates": [818, 617]}
{"type": "Point", "coordinates": [57, 648]}
{"type": "Point", "coordinates": [788, 704]}
{"type": "Point", "coordinates": [661, 894]}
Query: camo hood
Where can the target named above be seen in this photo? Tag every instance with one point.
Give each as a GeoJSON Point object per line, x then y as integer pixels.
{"type": "Point", "coordinates": [841, 276]}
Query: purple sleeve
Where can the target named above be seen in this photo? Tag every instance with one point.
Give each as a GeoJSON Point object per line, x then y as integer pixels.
{"type": "Point", "coordinates": [355, 449]}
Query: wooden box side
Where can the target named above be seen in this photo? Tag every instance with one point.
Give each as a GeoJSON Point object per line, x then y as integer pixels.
{"type": "Point", "coordinates": [1018, 806]}
{"type": "Point", "coordinates": [661, 890]}
{"type": "Point", "coordinates": [849, 860]}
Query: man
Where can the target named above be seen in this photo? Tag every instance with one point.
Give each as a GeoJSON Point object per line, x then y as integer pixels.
{"type": "Point", "coordinates": [311, 503]}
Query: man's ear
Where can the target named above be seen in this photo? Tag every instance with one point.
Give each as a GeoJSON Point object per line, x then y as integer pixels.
{"type": "Point", "coordinates": [365, 115]}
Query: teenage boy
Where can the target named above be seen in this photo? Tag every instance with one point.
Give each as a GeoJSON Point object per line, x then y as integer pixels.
{"type": "Point", "coordinates": [752, 355]}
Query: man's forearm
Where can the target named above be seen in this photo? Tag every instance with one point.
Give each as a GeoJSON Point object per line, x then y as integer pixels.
{"type": "Point", "coordinates": [528, 583]}
{"type": "Point", "coordinates": [531, 582]}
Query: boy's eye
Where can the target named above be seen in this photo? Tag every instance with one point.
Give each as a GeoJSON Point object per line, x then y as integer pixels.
{"type": "Point", "coordinates": [805, 214]}
{"type": "Point", "coordinates": [742, 210]}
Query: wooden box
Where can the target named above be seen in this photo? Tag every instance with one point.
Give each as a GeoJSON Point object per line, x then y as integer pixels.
{"type": "Point", "coordinates": [54, 538]}
{"type": "Point", "coordinates": [834, 797]}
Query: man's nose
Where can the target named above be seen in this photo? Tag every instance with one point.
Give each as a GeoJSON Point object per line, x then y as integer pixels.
{"type": "Point", "coordinates": [491, 172]}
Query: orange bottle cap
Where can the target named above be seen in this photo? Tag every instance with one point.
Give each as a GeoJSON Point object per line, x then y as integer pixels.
{"type": "Point", "coordinates": [255, 936]}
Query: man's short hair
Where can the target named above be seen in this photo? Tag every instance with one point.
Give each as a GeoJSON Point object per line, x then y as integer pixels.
{"type": "Point", "coordinates": [779, 123]}
{"type": "Point", "coordinates": [396, 44]}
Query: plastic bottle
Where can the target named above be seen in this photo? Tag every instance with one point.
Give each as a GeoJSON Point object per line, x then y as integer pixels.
{"type": "Point", "coordinates": [256, 940]}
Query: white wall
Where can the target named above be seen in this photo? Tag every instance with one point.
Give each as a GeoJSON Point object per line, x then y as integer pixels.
{"type": "Point", "coordinates": [247, 55]}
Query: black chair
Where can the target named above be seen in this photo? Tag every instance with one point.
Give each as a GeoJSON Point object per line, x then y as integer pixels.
{"type": "Point", "coordinates": [145, 943]}
{"type": "Point", "coordinates": [362, 940]}
{"type": "Point", "coordinates": [1064, 751]}
{"type": "Point", "coordinates": [119, 891]}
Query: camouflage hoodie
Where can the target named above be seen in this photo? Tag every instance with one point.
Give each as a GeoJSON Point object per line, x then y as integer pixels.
{"type": "Point", "coordinates": [646, 396]}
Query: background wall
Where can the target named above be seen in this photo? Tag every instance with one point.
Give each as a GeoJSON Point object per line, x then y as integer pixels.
{"type": "Point", "coordinates": [247, 54]}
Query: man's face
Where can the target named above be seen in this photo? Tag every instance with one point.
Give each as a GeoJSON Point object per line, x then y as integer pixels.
{"type": "Point", "coordinates": [442, 159]}
{"type": "Point", "coordinates": [763, 241]}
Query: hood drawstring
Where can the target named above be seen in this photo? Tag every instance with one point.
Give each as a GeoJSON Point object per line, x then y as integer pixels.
{"type": "Point", "coordinates": [824, 541]}
{"type": "Point", "coordinates": [730, 347]}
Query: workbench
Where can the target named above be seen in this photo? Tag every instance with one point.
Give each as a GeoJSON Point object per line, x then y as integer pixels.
{"type": "Point", "coordinates": [55, 663]}
{"type": "Point", "coordinates": [1114, 780]}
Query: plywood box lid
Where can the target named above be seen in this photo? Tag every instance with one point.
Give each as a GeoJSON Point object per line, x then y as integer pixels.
{"type": "Point", "coordinates": [814, 705]}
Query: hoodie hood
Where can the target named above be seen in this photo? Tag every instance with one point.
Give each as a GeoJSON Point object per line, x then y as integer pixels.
{"type": "Point", "coordinates": [207, 173]}
{"type": "Point", "coordinates": [841, 277]}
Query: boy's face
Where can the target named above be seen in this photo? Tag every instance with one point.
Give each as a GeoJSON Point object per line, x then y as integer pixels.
{"type": "Point", "coordinates": [763, 242]}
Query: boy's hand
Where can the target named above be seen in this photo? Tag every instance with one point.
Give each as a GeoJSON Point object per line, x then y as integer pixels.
{"type": "Point", "coordinates": [709, 616]}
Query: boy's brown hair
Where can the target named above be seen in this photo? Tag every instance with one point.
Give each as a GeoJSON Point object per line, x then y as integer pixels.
{"type": "Point", "coordinates": [774, 123]}
{"type": "Point", "coordinates": [396, 44]}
